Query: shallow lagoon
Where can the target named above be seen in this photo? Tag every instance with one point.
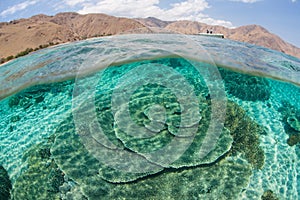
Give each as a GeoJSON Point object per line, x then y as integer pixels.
{"type": "Point", "coordinates": [151, 116]}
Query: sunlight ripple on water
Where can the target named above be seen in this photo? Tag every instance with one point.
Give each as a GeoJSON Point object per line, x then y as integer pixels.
{"type": "Point", "coordinates": [163, 115]}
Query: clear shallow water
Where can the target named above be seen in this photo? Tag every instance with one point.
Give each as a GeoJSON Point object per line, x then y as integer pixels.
{"type": "Point", "coordinates": [168, 119]}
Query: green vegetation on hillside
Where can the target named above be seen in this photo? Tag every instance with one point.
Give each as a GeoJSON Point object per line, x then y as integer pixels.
{"type": "Point", "coordinates": [25, 52]}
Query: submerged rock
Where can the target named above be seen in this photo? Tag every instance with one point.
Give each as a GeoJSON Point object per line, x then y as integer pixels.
{"type": "Point", "coordinates": [5, 184]}
{"type": "Point", "coordinates": [291, 122]}
{"type": "Point", "coordinates": [293, 139]}
{"type": "Point", "coordinates": [14, 101]}
{"type": "Point", "coordinates": [294, 122]}
{"type": "Point", "coordinates": [269, 195]}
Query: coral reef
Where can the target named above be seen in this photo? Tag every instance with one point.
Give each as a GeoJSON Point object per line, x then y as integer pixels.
{"type": "Point", "coordinates": [225, 178]}
{"type": "Point", "coordinates": [42, 172]}
{"type": "Point", "coordinates": [82, 166]}
{"type": "Point", "coordinates": [223, 172]}
{"type": "Point", "coordinates": [82, 161]}
{"type": "Point", "coordinates": [246, 87]}
{"type": "Point", "coordinates": [245, 133]}
{"type": "Point", "coordinates": [291, 122]}
{"type": "Point", "coordinates": [148, 147]}
{"type": "Point", "coordinates": [35, 94]}
{"type": "Point", "coordinates": [5, 184]}
{"type": "Point", "coordinates": [27, 98]}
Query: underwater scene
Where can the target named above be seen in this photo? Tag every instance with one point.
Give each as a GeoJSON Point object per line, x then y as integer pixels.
{"type": "Point", "coordinates": [150, 116]}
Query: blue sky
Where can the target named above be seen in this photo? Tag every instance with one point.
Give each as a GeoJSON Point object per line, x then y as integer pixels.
{"type": "Point", "coordinates": [281, 17]}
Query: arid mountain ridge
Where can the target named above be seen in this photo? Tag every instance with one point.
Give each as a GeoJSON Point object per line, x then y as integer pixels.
{"type": "Point", "coordinates": [42, 30]}
{"type": "Point", "coordinates": [253, 34]}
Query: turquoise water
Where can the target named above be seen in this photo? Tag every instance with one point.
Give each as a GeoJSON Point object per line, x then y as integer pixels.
{"type": "Point", "coordinates": [154, 116]}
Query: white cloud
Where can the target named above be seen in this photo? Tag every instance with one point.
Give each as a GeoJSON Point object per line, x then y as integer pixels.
{"type": "Point", "coordinates": [73, 2]}
{"type": "Point", "coordinates": [294, 1]}
{"type": "Point", "coordinates": [219, 22]}
{"type": "Point", "coordinates": [185, 10]}
{"type": "Point", "coordinates": [248, 1]}
{"type": "Point", "coordinates": [126, 8]}
{"type": "Point", "coordinates": [18, 7]}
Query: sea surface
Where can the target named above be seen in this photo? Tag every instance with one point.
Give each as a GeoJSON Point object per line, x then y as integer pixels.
{"type": "Point", "coordinates": [151, 116]}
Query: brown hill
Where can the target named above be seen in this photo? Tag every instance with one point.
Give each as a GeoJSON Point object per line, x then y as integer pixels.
{"type": "Point", "coordinates": [253, 34]}
{"type": "Point", "coordinates": [18, 35]}
{"type": "Point", "coordinates": [260, 36]}
{"type": "Point", "coordinates": [153, 22]}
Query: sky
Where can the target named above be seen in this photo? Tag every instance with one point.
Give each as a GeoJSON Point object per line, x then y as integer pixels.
{"type": "Point", "coordinates": [281, 17]}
